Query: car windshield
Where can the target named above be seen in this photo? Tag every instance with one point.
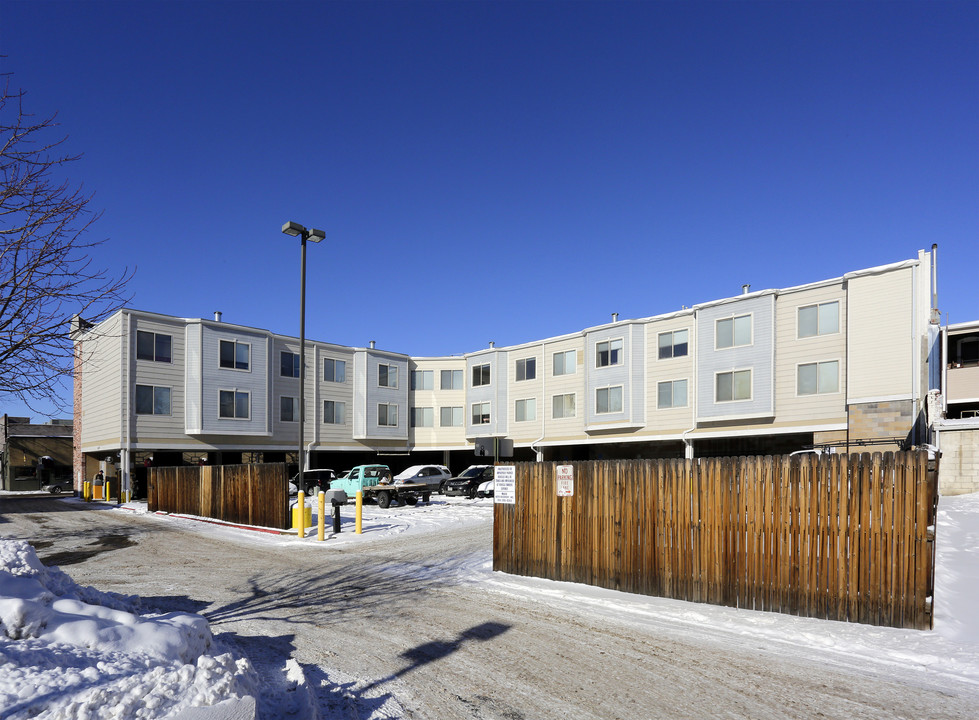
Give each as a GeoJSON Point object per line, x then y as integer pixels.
{"type": "Point", "coordinates": [410, 472]}
{"type": "Point", "coordinates": [472, 472]}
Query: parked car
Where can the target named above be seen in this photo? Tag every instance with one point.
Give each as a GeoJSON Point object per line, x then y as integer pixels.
{"type": "Point", "coordinates": [485, 490]}
{"type": "Point", "coordinates": [470, 479]}
{"type": "Point", "coordinates": [314, 481]}
{"type": "Point", "coordinates": [432, 475]}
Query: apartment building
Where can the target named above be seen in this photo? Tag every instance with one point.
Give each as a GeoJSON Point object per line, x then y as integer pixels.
{"type": "Point", "coordinates": [840, 363]}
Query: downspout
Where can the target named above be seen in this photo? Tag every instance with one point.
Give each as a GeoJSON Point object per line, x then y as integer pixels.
{"type": "Point", "coordinates": [543, 415]}
{"type": "Point", "coordinates": [688, 444]}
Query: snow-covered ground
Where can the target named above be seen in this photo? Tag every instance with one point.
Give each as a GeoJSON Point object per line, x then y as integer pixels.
{"type": "Point", "coordinates": [125, 665]}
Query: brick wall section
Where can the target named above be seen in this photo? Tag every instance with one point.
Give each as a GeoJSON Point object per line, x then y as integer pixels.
{"type": "Point", "coordinates": [958, 471]}
{"type": "Point", "coordinates": [77, 461]}
{"type": "Point", "coordinates": [892, 419]}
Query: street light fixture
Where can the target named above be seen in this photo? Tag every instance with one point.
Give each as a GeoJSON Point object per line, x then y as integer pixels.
{"type": "Point", "coordinates": [295, 229]}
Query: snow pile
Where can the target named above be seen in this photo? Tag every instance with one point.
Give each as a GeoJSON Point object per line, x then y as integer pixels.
{"type": "Point", "coordinates": [72, 652]}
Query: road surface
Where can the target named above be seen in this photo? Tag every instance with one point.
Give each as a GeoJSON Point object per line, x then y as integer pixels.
{"type": "Point", "coordinates": [398, 628]}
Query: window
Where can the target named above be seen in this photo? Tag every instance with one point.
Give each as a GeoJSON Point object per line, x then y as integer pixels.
{"type": "Point", "coordinates": [450, 416]}
{"type": "Point", "coordinates": [481, 375]}
{"type": "Point", "coordinates": [562, 406]}
{"type": "Point", "coordinates": [153, 346]}
{"type": "Point", "coordinates": [451, 380]}
{"type": "Point", "coordinates": [288, 409]}
{"type": "Point", "coordinates": [387, 376]}
{"type": "Point", "coordinates": [733, 332]}
{"type": "Point", "coordinates": [151, 400]}
{"type": "Point", "coordinates": [233, 404]}
{"type": "Point", "coordinates": [526, 369]}
{"type": "Point", "coordinates": [732, 386]}
{"type": "Point", "coordinates": [608, 400]}
{"type": "Point", "coordinates": [821, 319]}
{"type": "Point", "coordinates": [422, 417]}
{"type": "Point", "coordinates": [289, 364]}
{"type": "Point", "coordinates": [422, 380]}
{"type": "Point", "coordinates": [334, 413]}
{"type": "Point", "coordinates": [525, 410]}
{"type": "Point", "coordinates": [671, 394]}
{"type": "Point", "coordinates": [234, 354]}
{"type": "Point", "coordinates": [819, 377]}
{"type": "Point", "coordinates": [334, 370]}
{"type": "Point", "coordinates": [481, 413]}
{"type": "Point", "coordinates": [673, 344]}
{"type": "Point", "coordinates": [608, 353]}
{"type": "Point", "coordinates": [565, 363]}
{"type": "Point", "coordinates": [387, 415]}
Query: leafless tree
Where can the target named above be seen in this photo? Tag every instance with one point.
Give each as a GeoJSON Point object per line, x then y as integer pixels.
{"type": "Point", "coordinates": [47, 274]}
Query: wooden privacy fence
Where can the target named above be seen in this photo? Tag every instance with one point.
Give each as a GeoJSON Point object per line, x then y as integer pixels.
{"type": "Point", "coordinates": [841, 537]}
{"type": "Point", "coordinates": [247, 494]}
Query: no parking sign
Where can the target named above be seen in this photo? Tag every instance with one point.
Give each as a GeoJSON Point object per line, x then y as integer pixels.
{"type": "Point", "coordinates": [565, 480]}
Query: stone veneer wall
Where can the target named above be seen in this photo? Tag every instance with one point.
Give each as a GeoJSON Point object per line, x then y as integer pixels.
{"type": "Point", "coordinates": [891, 419]}
{"type": "Point", "coordinates": [958, 469]}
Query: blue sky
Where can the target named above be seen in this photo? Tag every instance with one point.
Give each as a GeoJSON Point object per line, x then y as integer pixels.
{"type": "Point", "coordinates": [507, 171]}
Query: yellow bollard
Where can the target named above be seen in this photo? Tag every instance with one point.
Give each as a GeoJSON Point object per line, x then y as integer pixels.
{"type": "Point", "coordinates": [86, 491]}
{"type": "Point", "coordinates": [321, 517]}
{"type": "Point", "coordinates": [301, 507]}
{"type": "Point", "coordinates": [358, 527]}
{"type": "Point", "coordinates": [108, 491]}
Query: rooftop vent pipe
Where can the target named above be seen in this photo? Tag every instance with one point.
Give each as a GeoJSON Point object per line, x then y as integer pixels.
{"type": "Point", "coordinates": [615, 317]}
{"type": "Point", "coordinates": [492, 344]}
{"type": "Point", "coordinates": [217, 316]}
{"type": "Point", "coordinates": [372, 344]}
{"type": "Point", "coordinates": [745, 289]}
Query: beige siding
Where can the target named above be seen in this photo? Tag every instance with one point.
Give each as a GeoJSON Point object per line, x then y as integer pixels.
{"type": "Point", "coordinates": [438, 437]}
{"type": "Point", "coordinates": [158, 374]}
{"type": "Point", "coordinates": [527, 431]}
{"type": "Point", "coordinates": [564, 385]}
{"type": "Point", "coordinates": [328, 433]}
{"type": "Point", "coordinates": [669, 421]}
{"type": "Point", "coordinates": [791, 351]}
{"type": "Point", "coordinates": [102, 384]}
{"type": "Point", "coordinates": [882, 351]}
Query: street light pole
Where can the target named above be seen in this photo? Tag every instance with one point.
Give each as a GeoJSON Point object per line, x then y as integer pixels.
{"type": "Point", "coordinates": [304, 234]}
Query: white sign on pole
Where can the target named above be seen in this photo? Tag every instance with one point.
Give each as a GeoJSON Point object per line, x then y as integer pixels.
{"type": "Point", "coordinates": [505, 485]}
{"type": "Point", "coordinates": [565, 480]}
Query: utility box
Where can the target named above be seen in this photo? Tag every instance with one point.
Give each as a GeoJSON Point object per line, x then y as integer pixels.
{"type": "Point", "coordinates": [335, 497]}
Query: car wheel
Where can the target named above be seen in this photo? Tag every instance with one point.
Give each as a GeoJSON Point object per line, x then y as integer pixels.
{"type": "Point", "coordinates": [441, 488]}
{"type": "Point", "coordinates": [310, 489]}
{"type": "Point", "coordinates": [384, 499]}
{"type": "Point", "coordinates": [55, 490]}
{"type": "Point", "coordinates": [472, 493]}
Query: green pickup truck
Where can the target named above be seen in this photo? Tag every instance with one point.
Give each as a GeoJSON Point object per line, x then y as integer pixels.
{"type": "Point", "coordinates": [376, 483]}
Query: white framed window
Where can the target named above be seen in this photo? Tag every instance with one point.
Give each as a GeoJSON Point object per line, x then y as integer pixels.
{"type": "Point", "coordinates": [732, 386]}
{"type": "Point", "coordinates": [732, 332]}
{"type": "Point", "coordinates": [154, 346]}
{"type": "Point", "coordinates": [818, 378]}
{"type": "Point", "coordinates": [481, 375]}
{"type": "Point", "coordinates": [565, 363]}
{"type": "Point", "coordinates": [671, 394]}
{"type": "Point", "coordinates": [422, 417]}
{"type": "Point", "coordinates": [526, 369]}
{"type": "Point", "coordinates": [608, 352]}
{"type": "Point", "coordinates": [673, 344]}
{"type": "Point", "coordinates": [562, 406]}
{"type": "Point", "coordinates": [334, 370]}
{"type": "Point", "coordinates": [525, 410]}
{"type": "Point", "coordinates": [451, 380]}
{"type": "Point", "coordinates": [819, 319]}
{"type": "Point", "coordinates": [481, 413]}
{"type": "Point", "coordinates": [422, 380]}
{"type": "Point", "coordinates": [387, 376]}
{"type": "Point", "coordinates": [234, 404]}
{"type": "Point", "coordinates": [234, 355]}
{"type": "Point", "coordinates": [387, 415]}
{"type": "Point", "coordinates": [289, 364]}
{"type": "Point", "coordinates": [608, 400]}
{"type": "Point", "coordinates": [334, 412]}
{"type": "Point", "coordinates": [288, 409]}
{"type": "Point", "coordinates": [450, 416]}
{"type": "Point", "coordinates": [152, 400]}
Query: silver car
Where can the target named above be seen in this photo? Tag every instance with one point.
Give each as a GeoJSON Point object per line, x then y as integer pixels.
{"type": "Point", "coordinates": [432, 475]}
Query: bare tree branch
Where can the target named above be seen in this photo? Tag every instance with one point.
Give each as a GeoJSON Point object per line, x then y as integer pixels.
{"type": "Point", "coordinates": [46, 271]}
